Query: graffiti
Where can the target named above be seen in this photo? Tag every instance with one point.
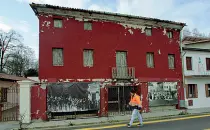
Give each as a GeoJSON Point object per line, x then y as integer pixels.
{"type": "Point", "coordinates": [162, 93]}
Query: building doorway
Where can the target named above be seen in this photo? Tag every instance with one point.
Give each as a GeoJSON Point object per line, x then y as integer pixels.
{"type": "Point", "coordinates": [118, 99]}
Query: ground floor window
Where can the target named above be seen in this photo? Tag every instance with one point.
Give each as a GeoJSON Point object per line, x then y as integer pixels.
{"type": "Point", "coordinates": [207, 90]}
{"type": "Point", "coordinates": [192, 91]}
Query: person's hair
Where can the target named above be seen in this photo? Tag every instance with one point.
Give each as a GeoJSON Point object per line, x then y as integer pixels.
{"type": "Point", "coordinates": [133, 91]}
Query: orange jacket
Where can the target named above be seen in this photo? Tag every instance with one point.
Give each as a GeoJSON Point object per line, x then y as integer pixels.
{"type": "Point", "coordinates": [136, 100]}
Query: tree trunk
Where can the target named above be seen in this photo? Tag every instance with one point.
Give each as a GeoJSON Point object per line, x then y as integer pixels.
{"type": "Point", "coordinates": [2, 58]}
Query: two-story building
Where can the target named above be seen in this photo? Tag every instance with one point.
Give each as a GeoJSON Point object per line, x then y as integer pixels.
{"type": "Point", "coordinates": [196, 59]}
{"type": "Point", "coordinates": [110, 52]}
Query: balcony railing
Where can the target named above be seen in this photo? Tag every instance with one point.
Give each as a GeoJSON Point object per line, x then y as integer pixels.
{"type": "Point", "coordinates": [123, 72]}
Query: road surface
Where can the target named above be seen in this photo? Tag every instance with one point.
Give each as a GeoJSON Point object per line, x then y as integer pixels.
{"type": "Point", "coordinates": [186, 123]}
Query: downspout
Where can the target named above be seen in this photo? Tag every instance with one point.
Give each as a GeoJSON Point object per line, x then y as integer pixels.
{"type": "Point", "coordinates": [182, 59]}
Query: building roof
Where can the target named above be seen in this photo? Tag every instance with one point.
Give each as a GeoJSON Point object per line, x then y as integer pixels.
{"type": "Point", "coordinates": [193, 40]}
{"type": "Point", "coordinates": [12, 77]}
{"type": "Point", "coordinates": [36, 6]}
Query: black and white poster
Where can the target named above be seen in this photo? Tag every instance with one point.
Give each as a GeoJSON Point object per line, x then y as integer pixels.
{"type": "Point", "coordinates": [162, 93]}
{"type": "Point", "coordinates": [72, 97]}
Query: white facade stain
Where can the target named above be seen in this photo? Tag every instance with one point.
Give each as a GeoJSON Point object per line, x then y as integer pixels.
{"type": "Point", "coordinates": [134, 27]}
{"type": "Point", "coordinates": [164, 31]}
{"type": "Point", "coordinates": [159, 52]}
{"type": "Point", "coordinates": [130, 30]}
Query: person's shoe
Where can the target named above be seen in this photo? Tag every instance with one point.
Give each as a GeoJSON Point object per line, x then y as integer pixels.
{"type": "Point", "coordinates": [140, 124]}
{"type": "Point", "coordinates": [128, 125]}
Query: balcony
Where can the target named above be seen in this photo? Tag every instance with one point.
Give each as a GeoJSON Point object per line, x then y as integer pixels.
{"type": "Point", "coordinates": [123, 73]}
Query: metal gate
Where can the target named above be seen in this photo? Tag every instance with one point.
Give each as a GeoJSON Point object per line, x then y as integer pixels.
{"type": "Point", "coordinates": [118, 99]}
{"type": "Point", "coordinates": [9, 103]}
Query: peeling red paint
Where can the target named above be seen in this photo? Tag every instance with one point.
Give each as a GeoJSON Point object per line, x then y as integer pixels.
{"type": "Point", "coordinates": [106, 38]}
{"type": "Point", "coordinates": [105, 44]}
{"type": "Point", "coordinates": [38, 103]}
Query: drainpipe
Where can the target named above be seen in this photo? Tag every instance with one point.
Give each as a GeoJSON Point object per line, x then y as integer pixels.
{"type": "Point", "coordinates": [182, 59]}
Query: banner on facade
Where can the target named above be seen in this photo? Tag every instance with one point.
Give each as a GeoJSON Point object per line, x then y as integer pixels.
{"type": "Point", "coordinates": [162, 93]}
{"type": "Point", "coordinates": [72, 97]}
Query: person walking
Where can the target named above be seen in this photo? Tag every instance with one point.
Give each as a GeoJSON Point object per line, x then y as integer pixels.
{"type": "Point", "coordinates": [136, 106]}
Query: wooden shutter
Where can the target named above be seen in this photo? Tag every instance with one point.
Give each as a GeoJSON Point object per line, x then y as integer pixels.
{"type": "Point", "coordinates": [196, 91]}
{"type": "Point", "coordinates": [206, 88]}
{"type": "Point", "coordinates": [187, 91]}
{"type": "Point", "coordinates": [207, 63]}
{"type": "Point", "coordinates": [189, 63]}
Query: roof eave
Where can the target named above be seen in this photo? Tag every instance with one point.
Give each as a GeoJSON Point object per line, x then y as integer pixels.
{"type": "Point", "coordinates": [35, 6]}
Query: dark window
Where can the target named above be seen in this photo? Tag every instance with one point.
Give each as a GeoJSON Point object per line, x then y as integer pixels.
{"type": "Point", "coordinates": [150, 59]}
{"type": "Point", "coordinates": [207, 63]}
{"type": "Point", "coordinates": [171, 61]}
{"type": "Point", "coordinates": [189, 63]}
{"type": "Point", "coordinates": [192, 91]}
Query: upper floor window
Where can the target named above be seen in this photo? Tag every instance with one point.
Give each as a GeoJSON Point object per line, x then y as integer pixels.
{"type": "Point", "coordinates": [58, 23]}
{"type": "Point", "coordinates": [148, 31]}
{"type": "Point", "coordinates": [192, 91]}
{"type": "Point", "coordinates": [87, 26]}
{"type": "Point", "coordinates": [88, 58]}
{"type": "Point", "coordinates": [189, 63]}
{"type": "Point", "coordinates": [150, 60]}
{"type": "Point", "coordinates": [207, 90]}
{"type": "Point", "coordinates": [169, 34]}
{"type": "Point", "coordinates": [57, 56]}
{"type": "Point", "coordinates": [171, 61]}
{"type": "Point", "coordinates": [207, 63]}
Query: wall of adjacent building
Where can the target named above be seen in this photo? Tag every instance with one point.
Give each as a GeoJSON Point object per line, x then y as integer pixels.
{"type": "Point", "coordinates": [202, 100]}
{"type": "Point", "coordinates": [198, 63]}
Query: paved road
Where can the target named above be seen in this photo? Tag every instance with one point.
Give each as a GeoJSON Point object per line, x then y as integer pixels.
{"type": "Point", "coordinates": [186, 124]}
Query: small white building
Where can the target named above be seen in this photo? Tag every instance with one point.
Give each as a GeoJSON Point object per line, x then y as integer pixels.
{"type": "Point", "coordinates": [196, 60]}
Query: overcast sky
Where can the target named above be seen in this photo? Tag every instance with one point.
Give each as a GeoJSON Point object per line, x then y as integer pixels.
{"type": "Point", "coordinates": [17, 14]}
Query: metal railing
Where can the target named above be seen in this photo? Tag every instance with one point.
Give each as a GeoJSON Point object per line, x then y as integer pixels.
{"type": "Point", "coordinates": [123, 72]}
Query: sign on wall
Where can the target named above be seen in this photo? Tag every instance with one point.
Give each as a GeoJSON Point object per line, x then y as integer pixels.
{"type": "Point", "coordinates": [71, 97]}
{"type": "Point", "coordinates": [162, 93]}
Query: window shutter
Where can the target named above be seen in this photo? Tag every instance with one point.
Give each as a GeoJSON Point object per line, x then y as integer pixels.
{"type": "Point", "coordinates": [208, 63]}
{"type": "Point", "coordinates": [187, 91]}
{"type": "Point", "coordinates": [206, 88]}
{"type": "Point", "coordinates": [188, 63]}
{"type": "Point", "coordinates": [196, 91]}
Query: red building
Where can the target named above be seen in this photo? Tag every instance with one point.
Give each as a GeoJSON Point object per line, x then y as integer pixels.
{"type": "Point", "coordinates": [119, 51]}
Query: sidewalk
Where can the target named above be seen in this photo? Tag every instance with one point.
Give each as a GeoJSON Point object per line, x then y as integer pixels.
{"type": "Point", "coordinates": [114, 119]}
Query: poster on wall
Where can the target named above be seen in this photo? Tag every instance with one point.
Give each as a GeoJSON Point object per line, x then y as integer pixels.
{"type": "Point", "coordinates": [162, 93]}
{"type": "Point", "coordinates": [72, 97]}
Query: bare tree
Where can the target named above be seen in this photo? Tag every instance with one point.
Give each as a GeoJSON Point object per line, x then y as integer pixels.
{"type": "Point", "coordinates": [21, 58]}
{"type": "Point", "coordinates": [186, 32]}
{"type": "Point", "coordinates": [7, 41]}
{"type": "Point", "coordinates": [195, 32]}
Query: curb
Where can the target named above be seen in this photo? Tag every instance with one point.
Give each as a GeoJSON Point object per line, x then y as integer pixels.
{"type": "Point", "coordinates": [108, 122]}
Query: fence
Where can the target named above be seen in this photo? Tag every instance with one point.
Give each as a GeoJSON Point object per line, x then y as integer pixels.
{"type": "Point", "coordinates": [9, 104]}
